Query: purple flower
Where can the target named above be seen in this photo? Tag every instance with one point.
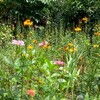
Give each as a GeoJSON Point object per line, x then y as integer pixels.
{"type": "Point", "coordinates": [60, 63]}
{"type": "Point", "coordinates": [18, 42]}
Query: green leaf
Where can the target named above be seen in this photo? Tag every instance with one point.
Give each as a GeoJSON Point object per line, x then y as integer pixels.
{"type": "Point", "coordinates": [86, 96]}
{"type": "Point", "coordinates": [8, 61]}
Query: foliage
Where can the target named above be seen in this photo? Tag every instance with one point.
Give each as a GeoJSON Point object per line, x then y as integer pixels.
{"type": "Point", "coordinates": [67, 10]}
{"type": "Point", "coordinates": [31, 67]}
{"type": "Point", "coordinates": [4, 35]}
{"type": "Point", "coordinates": [56, 61]}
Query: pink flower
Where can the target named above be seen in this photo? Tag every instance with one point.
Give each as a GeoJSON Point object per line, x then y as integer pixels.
{"type": "Point", "coordinates": [60, 63]}
{"type": "Point", "coordinates": [18, 42]}
{"type": "Point", "coordinates": [31, 92]}
{"type": "Point", "coordinates": [43, 43]}
{"type": "Point", "coordinates": [21, 42]}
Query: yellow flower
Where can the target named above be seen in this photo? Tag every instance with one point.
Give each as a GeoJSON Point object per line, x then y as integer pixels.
{"type": "Point", "coordinates": [24, 55]}
{"type": "Point", "coordinates": [95, 45]}
{"type": "Point", "coordinates": [30, 47]}
{"type": "Point", "coordinates": [34, 41]}
{"type": "Point", "coordinates": [97, 34]}
{"type": "Point", "coordinates": [77, 29]}
{"type": "Point", "coordinates": [28, 23]}
{"type": "Point", "coordinates": [72, 50]}
{"type": "Point", "coordinates": [40, 81]}
{"type": "Point", "coordinates": [85, 19]}
{"type": "Point", "coordinates": [70, 44]}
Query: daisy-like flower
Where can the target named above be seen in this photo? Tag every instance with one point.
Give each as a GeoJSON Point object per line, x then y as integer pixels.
{"type": "Point", "coordinates": [34, 41]}
{"type": "Point", "coordinates": [30, 47]}
{"type": "Point", "coordinates": [31, 92]}
{"type": "Point", "coordinates": [28, 22]}
{"type": "Point", "coordinates": [18, 42]}
{"type": "Point", "coordinates": [78, 29]}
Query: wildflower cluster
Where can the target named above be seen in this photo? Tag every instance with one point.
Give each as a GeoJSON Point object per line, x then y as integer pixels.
{"type": "Point", "coordinates": [70, 47]}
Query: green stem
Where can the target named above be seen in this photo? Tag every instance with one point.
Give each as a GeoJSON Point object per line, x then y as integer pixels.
{"type": "Point", "coordinates": [72, 89]}
{"type": "Point", "coordinates": [22, 85]}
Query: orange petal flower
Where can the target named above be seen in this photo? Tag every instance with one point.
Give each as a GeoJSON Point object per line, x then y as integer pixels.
{"type": "Point", "coordinates": [31, 92]}
{"type": "Point", "coordinates": [97, 34]}
{"type": "Point", "coordinates": [28, 22]}
{"type": "Point", "coordinates": [85, 19]}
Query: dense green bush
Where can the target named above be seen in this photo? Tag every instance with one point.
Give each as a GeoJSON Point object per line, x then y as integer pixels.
{"type": "Point", "coordinates": [69, 10]}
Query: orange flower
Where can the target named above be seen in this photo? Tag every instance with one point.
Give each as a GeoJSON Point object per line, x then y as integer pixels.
{"type": "Point", "coordinates": [85, 19]}
{"type": "Point", "coordinates": [46, 46]}
{"type": "Point", "coordinates": [65, 48]}
{"type": "Point", "coordinates": [77, 29]}
{"type": "Point", "coordinates": [97, 34]}
{"type": "Point", "coordinates": [28, 23]}
{"type": "Point", "coordinates": [31, 92]}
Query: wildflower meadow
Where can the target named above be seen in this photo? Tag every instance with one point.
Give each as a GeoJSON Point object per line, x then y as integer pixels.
{"type": "Point", "coordinates": [55, 58]}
